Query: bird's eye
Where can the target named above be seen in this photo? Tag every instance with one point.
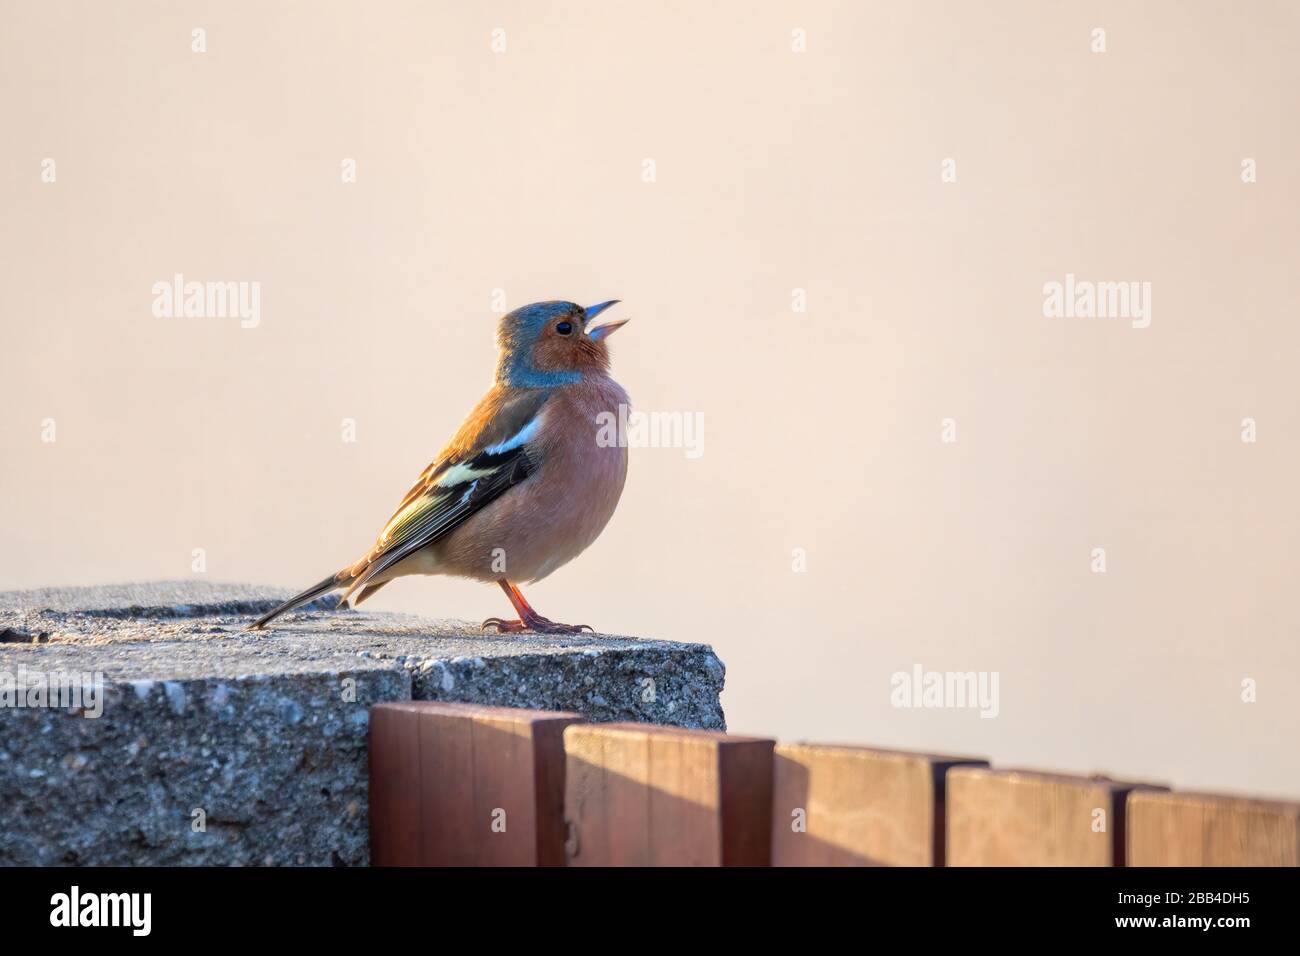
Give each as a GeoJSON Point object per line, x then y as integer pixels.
{"type": "Point", "coordinates": [564, 328]}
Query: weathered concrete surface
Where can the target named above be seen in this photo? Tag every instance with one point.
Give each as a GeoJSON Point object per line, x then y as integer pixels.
{"type": "Point", "coordinates": [265, 732]}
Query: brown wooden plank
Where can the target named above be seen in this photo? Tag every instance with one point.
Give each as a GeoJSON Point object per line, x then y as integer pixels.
{"type": "Point", "coordinates": [683, 830]}
{"type": "Point", "coordinates": [585, 799]}
{"type": "Point", "coordinates": [1027, 818]}
{"type": "Point", "coordinates": [505, 792]}
{"type": "Point", "coordinates": [1200, 829]}
{"type": "Point", "coordinates": [548, 788]}
{"type": "Point", "coordinates": [859, 806]}
{"type": "Point", "coordinates": [746, 802]}
{"type": "Point", "coordinates": [449, 830]}
{"type": "Point", "coordinates": [625, 789]}
{"type": "Point", "coordinates": [638, 794]}
{"type": "Point", "coordinates": [394, 788]}
{"type": "Point", "coordinates": [442, 775]}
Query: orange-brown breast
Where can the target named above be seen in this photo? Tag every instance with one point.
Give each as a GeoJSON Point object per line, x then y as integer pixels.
{"type": "Point", "coordinates": [558, 511]}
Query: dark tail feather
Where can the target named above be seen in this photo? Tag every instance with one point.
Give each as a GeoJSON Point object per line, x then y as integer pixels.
{"type": "Point", "coordinates": [367, 592]}
{"type": "Point", "coordinates": [331, 583]}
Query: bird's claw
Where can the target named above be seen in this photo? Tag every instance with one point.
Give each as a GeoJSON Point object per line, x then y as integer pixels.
{"type": "Point", "coordinates": [538, 625]}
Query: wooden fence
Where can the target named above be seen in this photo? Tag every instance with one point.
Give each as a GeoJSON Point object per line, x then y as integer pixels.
{"type": "Point", "coordinates": [465, 785]}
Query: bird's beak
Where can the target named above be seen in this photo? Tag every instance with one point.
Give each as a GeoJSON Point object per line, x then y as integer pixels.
{"type": "Point", "coordinates": [600, 331]}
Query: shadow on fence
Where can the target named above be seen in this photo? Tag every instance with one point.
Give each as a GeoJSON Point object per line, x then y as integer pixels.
{"type": "Point", "coordinates": [468, 785]}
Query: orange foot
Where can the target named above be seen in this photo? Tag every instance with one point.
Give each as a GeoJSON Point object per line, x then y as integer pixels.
{"type": "Point", "coordinates": [536, 623]}
{"type": "Point", "coordinates": [529, 620]}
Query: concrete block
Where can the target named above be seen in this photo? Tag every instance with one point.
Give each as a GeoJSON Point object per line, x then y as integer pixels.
{"type": "Point", "coordinates": [265, 732]}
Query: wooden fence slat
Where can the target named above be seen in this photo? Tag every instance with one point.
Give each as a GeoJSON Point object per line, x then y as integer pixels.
{"type": "Point", "coordinates": [466, 785]}
{"type": "Point", "coordinates": [639, 794]}
{"type": "Point", "coordinates": [1200, 829]}
{"type": "Point", "coordinates": [859, 806]}
{"type": "Point", "coordinates": [470, 785]}
{"type": "Point", "coordinates": [395, 800]}
{"type": "Point", "coordinates": [1026, 818]}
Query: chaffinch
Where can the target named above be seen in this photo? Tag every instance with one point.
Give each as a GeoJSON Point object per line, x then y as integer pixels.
{"type": "Point", "coordinates": [524, 486]}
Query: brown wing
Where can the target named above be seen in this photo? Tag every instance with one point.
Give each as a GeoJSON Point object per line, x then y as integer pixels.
{"type": "Point", "coordinates": [487, 457]}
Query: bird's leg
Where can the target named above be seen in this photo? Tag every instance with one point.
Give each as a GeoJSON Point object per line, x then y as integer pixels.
{"type": "Point", "coordinates": [529, 620]}
{"type": "Point", "coordinates": [520, 605]}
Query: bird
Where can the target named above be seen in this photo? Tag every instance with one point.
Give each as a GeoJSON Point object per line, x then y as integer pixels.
{"type": "Point", "coordinates": [525, 485]}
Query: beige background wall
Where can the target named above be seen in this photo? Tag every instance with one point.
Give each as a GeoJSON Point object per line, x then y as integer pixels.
{"type": "Point", "coordinates": [776, 170]}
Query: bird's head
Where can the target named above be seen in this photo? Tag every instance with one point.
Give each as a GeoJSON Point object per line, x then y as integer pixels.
{"type": "Point", "coordinates": [552, 343]}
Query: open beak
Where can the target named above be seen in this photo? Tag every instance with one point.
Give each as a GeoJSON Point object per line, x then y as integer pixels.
{"type": "Point", "coordinates": [600, 331]}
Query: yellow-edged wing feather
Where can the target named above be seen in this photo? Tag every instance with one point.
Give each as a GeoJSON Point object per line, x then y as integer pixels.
{"type": "Point", "coordinates": [487, 457]}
